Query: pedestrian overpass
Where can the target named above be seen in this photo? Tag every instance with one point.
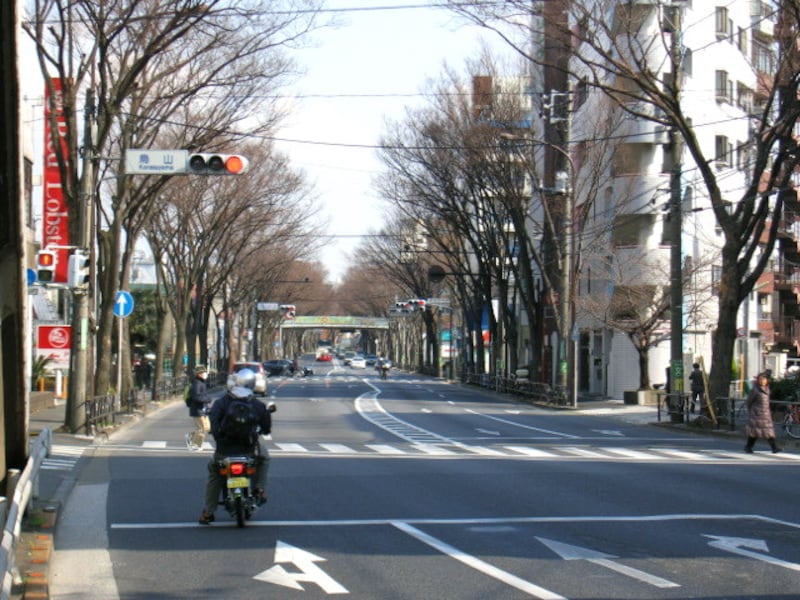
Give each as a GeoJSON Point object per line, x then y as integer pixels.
{"type": "Point", "coordinates": [335, 322]}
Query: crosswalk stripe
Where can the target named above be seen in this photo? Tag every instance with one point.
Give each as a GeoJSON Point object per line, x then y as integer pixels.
{"type": "Point", "coordinates": [483, 450]}
{"type": "Point", "coordinates": [384, 449]}
{"type": "Point", "coordinates": [684, 454]}
{"type": "Point", "coordinates": [628, 453]}
{"type": "Point", "coordinates": [584, 452]}
{"type": "Point", "coordinates": [528, 451]}
{"type": "Point", "coordinates": [339, 448]}
{"type": "Point", "coordinates": [292, 447]}
{"type": "Point", "coordinates": [150, 444]}
{"type": "Point", "coordinates": [433, 449]}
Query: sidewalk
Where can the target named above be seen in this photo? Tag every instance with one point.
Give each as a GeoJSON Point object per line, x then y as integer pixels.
{"type": "Point", "coordinates": [35, 546]}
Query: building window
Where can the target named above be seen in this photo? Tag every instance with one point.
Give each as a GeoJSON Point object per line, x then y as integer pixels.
{"type": "Point", "coordinates": [723, 151]}
{"type": "Point", "coordinates": [744, 98]}
{"type": "Point", "coordinates": [763, 57]}
{"type": "Point", "coordinates": [723, 22]}
{"type": "Point", "coordinates": [723, 86]}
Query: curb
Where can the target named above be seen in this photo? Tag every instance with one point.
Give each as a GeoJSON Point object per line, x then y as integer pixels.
{"type": "Point", "coordinates": [35, 551]}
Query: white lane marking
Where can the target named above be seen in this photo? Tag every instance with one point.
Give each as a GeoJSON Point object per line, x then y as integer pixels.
{"type": "Point", "coordinates": [521, 426]}
{"type": "Point", "coordinates": [154, 444]}
{"type": "Point", "coordinates": [384, 449]}
{"type": "Point", "coordinates": [479, 565]}
{"type": "Point", "coordinates": [339, 448]}
{"type": "Point", "coordinates": [528, 451]}
{"type": "Point", "coordinates": [570, 552]}
{"type": "Point", "coordinates": [478, 521]}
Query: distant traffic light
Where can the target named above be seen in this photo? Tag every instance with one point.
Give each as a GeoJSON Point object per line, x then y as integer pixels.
{"type": "Point", "coordinates": [46, 261]}
{"type": "Point", "coordinates": [78, 270]}
{"type": "Point", "coordinates": [217, 164]}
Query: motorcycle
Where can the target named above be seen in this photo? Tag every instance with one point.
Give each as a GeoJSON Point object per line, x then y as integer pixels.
{"type": "Point", "coordinates": [239, 495]}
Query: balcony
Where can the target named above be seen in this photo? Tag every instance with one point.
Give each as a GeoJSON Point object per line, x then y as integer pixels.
{"type": "Point", "coordinates": [641, 130]}
{"type": "Point", "coordinates": [633, 192]}
{"type": "Point", "coordinates": [763, 18]}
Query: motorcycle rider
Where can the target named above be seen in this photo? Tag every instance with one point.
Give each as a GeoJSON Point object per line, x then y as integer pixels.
{"type": "Point", "coordinates": [242, 389]}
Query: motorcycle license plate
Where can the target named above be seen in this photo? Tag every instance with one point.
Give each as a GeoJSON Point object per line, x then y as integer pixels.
{"type": "Point", "coordinates": [238, 482]}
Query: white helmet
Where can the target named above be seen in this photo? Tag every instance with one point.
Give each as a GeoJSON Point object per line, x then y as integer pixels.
{"type": "Point", "coordinates": [245, 378]}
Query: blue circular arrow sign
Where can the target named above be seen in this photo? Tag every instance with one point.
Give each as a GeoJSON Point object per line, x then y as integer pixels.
{"type": "Point", "coordinates": [123, 304]}
{"type": "Point", "coordinates": [31, 276]}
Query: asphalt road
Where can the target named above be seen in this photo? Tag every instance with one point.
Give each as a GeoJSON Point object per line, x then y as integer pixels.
{"type": "Point", "coordinates": [413, 488]}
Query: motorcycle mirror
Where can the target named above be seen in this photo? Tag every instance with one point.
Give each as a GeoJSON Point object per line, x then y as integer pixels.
{"type": "Point", "coordinates": [271, 407]}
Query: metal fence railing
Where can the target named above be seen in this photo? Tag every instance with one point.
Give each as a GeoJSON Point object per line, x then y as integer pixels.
{"type": "Point", "coordinates": [22, 487]}
{"type": "Point", "coordinates": [530, 390]}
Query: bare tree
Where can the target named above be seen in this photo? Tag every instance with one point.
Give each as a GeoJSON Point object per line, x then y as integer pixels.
{"type": "Point", "coordinates": [162, 75]}
{"type": "Point", "coordinates": [609, 46]}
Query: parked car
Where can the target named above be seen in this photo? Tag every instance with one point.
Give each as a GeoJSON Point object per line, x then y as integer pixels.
{"type": "Point", "coordinates": [261, 375]}
{"type": "Point", "coordinates": [358, 362]}
{"type": "Point", "coordinates": [278, 367]}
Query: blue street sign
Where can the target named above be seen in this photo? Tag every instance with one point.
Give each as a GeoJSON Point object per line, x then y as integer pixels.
{"type": "Point", "coordinates": [123, 304]}
{"type": "Point", "coordinates": [31, 274]}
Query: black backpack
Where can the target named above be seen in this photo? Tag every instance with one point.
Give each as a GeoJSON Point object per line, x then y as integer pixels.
{"type": "Point", "coordinates": [239, 423]}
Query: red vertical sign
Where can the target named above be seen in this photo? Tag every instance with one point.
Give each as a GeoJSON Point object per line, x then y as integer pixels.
{"type": "Point", "coordinates": [55, 219]}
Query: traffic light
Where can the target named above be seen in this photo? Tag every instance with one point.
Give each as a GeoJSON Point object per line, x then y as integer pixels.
{"type": "Point", "coordinates": [417, 304]}
{"type": "Point", "coordinates": [46, 261]}
{"type": "Point", "coordinates": [217, 164]}
{"type": "Point", "coordinates": [288, 311]}
{"type": "Point", "coordinates": [78, 270]}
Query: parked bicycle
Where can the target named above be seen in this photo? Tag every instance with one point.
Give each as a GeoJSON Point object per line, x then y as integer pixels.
{"type": "Point", "coordinates": [791, 422]}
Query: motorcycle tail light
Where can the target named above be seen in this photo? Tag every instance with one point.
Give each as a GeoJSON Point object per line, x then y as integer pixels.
{"type": "Point", "coordinates": [237, 469]}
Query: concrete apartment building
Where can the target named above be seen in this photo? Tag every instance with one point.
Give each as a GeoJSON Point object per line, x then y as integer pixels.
{"type": "Point", "coordinates": [726, 46]}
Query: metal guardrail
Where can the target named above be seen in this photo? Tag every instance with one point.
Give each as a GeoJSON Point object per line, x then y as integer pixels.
{"type": "Point", "coordinates": [102, 411]}
{"type": "Point", "coordinates": [532, 390]}
{"type": "Point", "coordinates": [25, 485]}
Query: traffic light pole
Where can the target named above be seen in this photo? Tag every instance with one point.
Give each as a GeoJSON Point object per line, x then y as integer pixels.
{"type": "Point", "coordinates": [75, 417]}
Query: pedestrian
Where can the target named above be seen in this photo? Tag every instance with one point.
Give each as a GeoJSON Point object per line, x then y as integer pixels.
{"type": "Point", "coordinates": [697, 387]}
{"type": "Point", "coordinates": [759, 421]}
{"type": "Point", "coordinates": [199, 403]}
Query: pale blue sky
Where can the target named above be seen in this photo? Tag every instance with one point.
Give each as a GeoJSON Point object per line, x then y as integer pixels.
{"type": "Point", "coordinates": [372, 52]}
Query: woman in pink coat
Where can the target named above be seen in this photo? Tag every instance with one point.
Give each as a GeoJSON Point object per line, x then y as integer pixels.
{"type": "Point", "coordinates": [759, 422]}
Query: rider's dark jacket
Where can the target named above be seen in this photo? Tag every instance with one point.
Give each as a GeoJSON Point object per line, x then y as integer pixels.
{"type": "Point", "coordinates": [226, 447]}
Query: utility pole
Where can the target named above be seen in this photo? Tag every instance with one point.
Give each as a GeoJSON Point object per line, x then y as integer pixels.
{"type": "Point", "coordinates": [79, 367]}
{"type": "Point", "coordinates": [559, 113]}
{"type": "Point", "coordinates": [675, 225]}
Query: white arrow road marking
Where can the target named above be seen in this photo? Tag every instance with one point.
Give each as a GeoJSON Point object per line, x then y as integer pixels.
{"type": "Point", "coordinates": [615, 432]}
{"type": "Point", "coordinates": [570, 552]}
{"type": "Point", "coordinates": [479, 565]}
{"type": "Point", "coordinates": [487, 431]}
{"type": "Point", "coordinates": [736, 545]}
{"type": "Point", "coordinates": [285, 553]}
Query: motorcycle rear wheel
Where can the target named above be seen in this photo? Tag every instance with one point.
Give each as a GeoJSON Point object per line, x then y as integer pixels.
{"type": "Point", "coordinates": [238, 509]}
